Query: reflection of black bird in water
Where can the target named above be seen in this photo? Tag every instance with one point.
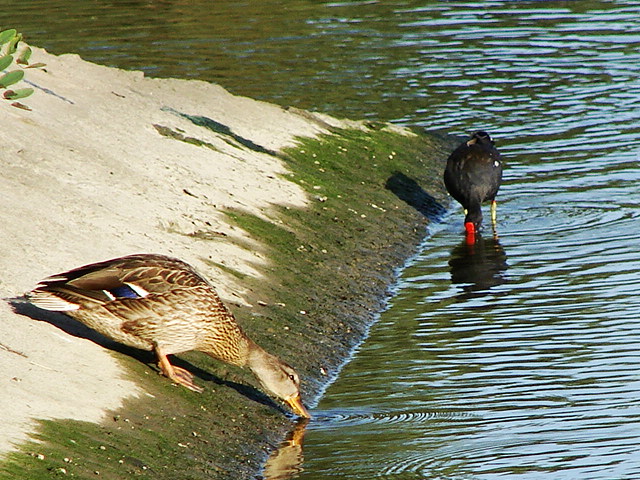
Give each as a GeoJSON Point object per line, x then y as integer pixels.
{"type": "Point", "coordinates": [478, 266]}
{"type": "Point", "coordinates": [472, 176]}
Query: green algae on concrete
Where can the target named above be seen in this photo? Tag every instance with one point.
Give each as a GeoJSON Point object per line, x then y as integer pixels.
{"type": "Point", "coordinates": [373, 191]}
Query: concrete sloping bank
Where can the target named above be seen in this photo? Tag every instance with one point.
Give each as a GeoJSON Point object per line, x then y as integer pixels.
{"type": "Point", "coordinates": [299, 219]}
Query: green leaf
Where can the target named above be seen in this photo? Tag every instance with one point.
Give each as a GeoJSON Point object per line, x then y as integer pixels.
{"type": "Point", "coordinates": [5, 61]}
{"type": "Point", "coordinates": [10, 78]}
{"type": "Point", "coordinates": [16, 94]}
{"type": "Point", "coordinates": [7, 35]}
{"type": "Point", "coordinates": [24, 57]}
{"type": "Point", "coordinates": [13, 44]}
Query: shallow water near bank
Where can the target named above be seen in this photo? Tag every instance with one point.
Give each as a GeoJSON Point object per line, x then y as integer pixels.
{"type": "Point", "coordinates": [516, 357]}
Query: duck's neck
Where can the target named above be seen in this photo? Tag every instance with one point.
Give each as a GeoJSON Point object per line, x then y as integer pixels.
{"type": "Point", "coordinates": [258, 359]}
{"type": "Point", "coordinates": [235, 349]}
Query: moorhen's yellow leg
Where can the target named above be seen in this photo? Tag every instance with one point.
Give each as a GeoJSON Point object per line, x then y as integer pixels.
{"type": "Point", "coordinates": [177, 374]}
{"type": "Point", "coordinates": [494, 212]}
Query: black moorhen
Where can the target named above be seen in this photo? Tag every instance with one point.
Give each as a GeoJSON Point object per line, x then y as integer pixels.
{"type": "Point", "coordinates": [472, 176]}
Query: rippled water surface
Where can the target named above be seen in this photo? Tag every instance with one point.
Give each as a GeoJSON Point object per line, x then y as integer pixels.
{"type": "Point", "coordinates": [517, 357]}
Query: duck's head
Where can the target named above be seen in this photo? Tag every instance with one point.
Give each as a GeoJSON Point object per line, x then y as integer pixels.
{"type": "Point", "coordinates": [278, 378]}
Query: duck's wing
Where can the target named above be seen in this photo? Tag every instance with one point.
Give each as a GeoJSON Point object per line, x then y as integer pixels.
{"type": "Point", "coordinates": [131, 277]}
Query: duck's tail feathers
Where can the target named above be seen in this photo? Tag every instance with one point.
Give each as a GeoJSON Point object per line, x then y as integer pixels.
{"type": "Point", "coordinates": [50, 301]}
{"type": "Point", "coordinates": [66, 298]}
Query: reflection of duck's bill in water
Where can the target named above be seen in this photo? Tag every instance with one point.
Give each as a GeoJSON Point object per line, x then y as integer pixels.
{"type": "Point", "coordinates": [286, 461]}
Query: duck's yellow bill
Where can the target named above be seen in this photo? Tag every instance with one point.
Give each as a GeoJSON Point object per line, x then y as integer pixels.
{"type": "Point", "coordinates": [296, 405]}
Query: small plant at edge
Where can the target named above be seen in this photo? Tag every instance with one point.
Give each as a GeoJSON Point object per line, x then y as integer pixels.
{"type": "Point", "coordinates": [11, 53]}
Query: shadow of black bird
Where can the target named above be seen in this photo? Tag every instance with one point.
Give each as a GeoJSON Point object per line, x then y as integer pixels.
{"type": "Point", "coordinates": [410, 192]}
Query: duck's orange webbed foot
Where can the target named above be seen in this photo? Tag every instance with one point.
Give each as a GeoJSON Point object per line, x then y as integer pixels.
{"type": "Point", "coordinates": [178, 375]}
{"type": "Point", "coordinates": [185, 378]}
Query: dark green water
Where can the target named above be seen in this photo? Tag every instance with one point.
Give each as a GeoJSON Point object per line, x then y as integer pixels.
{"type": "Point", "coordinates": [517, 357]}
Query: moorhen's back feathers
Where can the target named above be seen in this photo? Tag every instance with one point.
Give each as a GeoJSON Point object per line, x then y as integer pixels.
{"type": "Point", "coordinates": [473, 175]}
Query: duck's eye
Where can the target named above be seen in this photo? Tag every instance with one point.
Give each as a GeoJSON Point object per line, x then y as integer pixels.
{"type": "Point", "coordinates": [292, 377]}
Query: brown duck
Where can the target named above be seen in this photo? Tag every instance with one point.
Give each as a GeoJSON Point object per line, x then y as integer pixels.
{"type": "Point", "coordinates": [159, 303]}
